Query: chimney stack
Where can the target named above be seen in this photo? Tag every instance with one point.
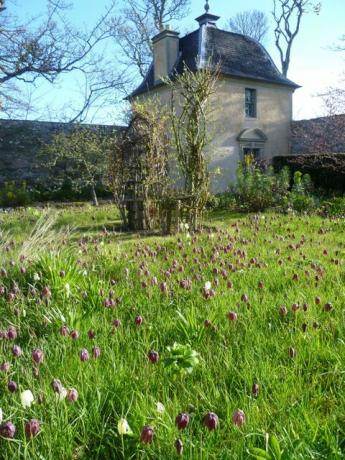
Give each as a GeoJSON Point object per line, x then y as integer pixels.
{"type": "Point", "coordinates": [165, 52]}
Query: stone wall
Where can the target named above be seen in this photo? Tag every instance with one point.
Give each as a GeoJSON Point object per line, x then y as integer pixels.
{"type": "Point", "coordinates": [319, 135]}
{"type": "Point", "coordinates": [20, 144]}
{"type": "Point", "coordinates": [21, 141]}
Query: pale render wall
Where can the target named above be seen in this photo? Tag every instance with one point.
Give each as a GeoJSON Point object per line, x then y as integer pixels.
{"type": "Point", "coordinates": [274, 115]}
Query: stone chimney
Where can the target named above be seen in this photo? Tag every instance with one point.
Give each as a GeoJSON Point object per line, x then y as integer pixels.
{"type": "Point", "coordinates": [165, 52]}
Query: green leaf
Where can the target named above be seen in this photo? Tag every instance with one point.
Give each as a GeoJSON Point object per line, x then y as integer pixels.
{"type": "Point", "coordinates": [275, 447]}
{"type": "Point", "coordinates": [260, 454]}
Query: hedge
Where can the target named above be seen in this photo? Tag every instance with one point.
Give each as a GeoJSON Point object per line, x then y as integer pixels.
{"type": "Point", "coordinates": [326, 170]}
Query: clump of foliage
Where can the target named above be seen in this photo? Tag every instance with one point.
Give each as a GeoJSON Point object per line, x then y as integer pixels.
{"type": "Point", "coordinates": [334, 206]}
{"type": "Point", "coordinates": [258, 187]}
{"type": "Point", "coordinates": [12, 195]}
{"type": "Point", "coordinates": [301, 198]}
{"type": "Point", "coordinates": [327, 171]}
{"type": "Point", "coordinates": [139, 166]}
{"type": "Point", "coordinates": [190, 111]}
{"type": "Point", "coordinates": [82, 156]}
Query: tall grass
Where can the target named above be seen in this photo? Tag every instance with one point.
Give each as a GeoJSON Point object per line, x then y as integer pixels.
{"type": "Point", "coordinates": [274, 260]}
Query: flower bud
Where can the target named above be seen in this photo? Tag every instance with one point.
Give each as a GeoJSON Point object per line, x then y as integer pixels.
{"type": "Point", "coordinates": [153, 357]}
{"type": "Point", "coordinates": [12, 386]}
{"type": "Point", "coordinates": [16, 351]}
{"type": "Point", "coordinates": [96, 352]}
{"type": "Point", "coordinates": [211, 421]}
{"type": "Point", "coordinates": [232, 316]}
{"type": "Point", "coordinates": [32, 428]}
{"type": "Point", "coordinates": [147, 434]}
{"type": "Point", "coordinates": [139, 320]}
{"type": "Point", "coordinates": [72, 395]}
{"type": "Point", "coordinates": [37, 356]}
{"type": "Point", "coordinates": [238, 417]}
{"type": "Point", "coordinates": [7, 430]}
{"type": "Point", "coordinates": [179, 446]}
{"type": "Point", "coordinates": [255, 390]}
{"type": "Point", "coordinates": [84, 355]}
{"type": "Point", "coordinates": [182, 421]}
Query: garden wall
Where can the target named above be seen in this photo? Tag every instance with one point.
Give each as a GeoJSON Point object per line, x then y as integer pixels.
{"type": "Point", "coordinates": [318, 135]}
{"type": "Point", "coordinates": [20, 144]}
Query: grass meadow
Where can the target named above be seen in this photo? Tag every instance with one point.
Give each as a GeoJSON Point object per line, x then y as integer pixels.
{"type": "Point", "coordinates": [115, 346]}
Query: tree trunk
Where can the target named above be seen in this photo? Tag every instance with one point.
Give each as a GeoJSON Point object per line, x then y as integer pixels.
{"type": "Point", "coordinates": [94, 196]}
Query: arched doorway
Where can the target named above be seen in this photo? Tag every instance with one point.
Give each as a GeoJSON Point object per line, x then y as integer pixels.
{"type": "Point", "coordinates": [252, 142]}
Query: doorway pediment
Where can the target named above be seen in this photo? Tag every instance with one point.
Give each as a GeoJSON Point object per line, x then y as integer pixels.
{"type": "Point", "coordinates": [252, 135]}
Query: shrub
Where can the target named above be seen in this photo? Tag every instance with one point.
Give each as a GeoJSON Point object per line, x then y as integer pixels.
{"type": "Point", "coordinates": [221, 201]}
{"type": "Point", "coordinates": [301, 203]}
{"type": "Point", "coordinates": [259, 188]}
{"type": "Point", "coordinates": [334, 207]}
{"type": "Point", "coordinates": [327, 171]}
{"type": "Point", "coordinates": [12, 195]}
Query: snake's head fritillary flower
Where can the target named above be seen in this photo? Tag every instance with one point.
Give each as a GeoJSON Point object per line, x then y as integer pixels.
{"type": "Point", "coordinates": [139, 320]}
{"type": "Point", "coordinates": [75, 335]}
{"type": "Point", "coordinates": [179, 446]}
{"type": "Point", "coordinates": [123, 427]}
{"type": "Point", "coordinates": [153, 357]}
{"type": "Point", "coordinates": [27, 398]}
{"type": "Point", "coordinates": [72, 395]}
{"type": "Point", "coordinates": [16, 351]}
{"type": "Point", "coordinates": [96, 352]}
{"type": "Point", "coordinates": [283, 311]}
{"type": "Point", "coordinates": [147, 434]}
{"type": "Point", "coordinates": [32, 428]}
{"type": "Point", "coordinates": [211, 421]}
{"type": "Point", "coordinates": [160, 407]}
{"type": "Point", "coordinates": [91, 334]}
{"type": "Point", "coordinates": [255, 390]}
{"type": "Point", "coordinates": [46, 293]}
{"type": "Point", "coordinates": [238, 417]}
{"type": "Point", "coordinates": [182, 421]}
{"type": "Point", "coordinates": [12, 386]}
{"type": "Point", "coordinates": [84, 355]}
{"type": "Point", "coordinates": [232, 316]}
{"type": "Point", "coordinates": [37, 356]}
{"type": "Point", "coordinates": [292, 352]}
{"type": "Point", "coordinates": [12, 333]}
{"type": "Point", "coordinates": [5, 366]}
{"type": "Point", "coordinates": [7, 430]}
{"type": "Point", "coordinates": [64, 331]}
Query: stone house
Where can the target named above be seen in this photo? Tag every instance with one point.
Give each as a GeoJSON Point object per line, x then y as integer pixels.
{"type": "Point", "coordinates": [253, 101]}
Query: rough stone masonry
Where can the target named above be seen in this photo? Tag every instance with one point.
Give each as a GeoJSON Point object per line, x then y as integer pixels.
{"type": "Point", "coordinates": [20, 145]}
{"type": "Point", "coordinates": [21, 141]}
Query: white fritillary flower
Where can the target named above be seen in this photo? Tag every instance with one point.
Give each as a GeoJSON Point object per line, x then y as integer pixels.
{"type": "Point", "coordinates": [123, 427]}
{"type": "Point", "coordinates": [27, 398]}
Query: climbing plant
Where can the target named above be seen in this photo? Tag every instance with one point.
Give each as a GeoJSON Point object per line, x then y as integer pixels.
{"type": "Point", "coordinates": [190, 111]}
{"type": "Point", "coordinates": [139, 166]}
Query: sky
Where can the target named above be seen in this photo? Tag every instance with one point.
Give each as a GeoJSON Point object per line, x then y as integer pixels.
{"type": "Point", "coordinates": [314, 65]}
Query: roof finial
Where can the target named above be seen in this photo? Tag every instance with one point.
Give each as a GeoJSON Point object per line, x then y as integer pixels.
{"type": "Point", "coordinates": [207, 6]}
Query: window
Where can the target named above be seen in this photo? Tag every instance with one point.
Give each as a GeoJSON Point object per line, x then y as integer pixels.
{"type": "Point", "coordinates": [250, 103]}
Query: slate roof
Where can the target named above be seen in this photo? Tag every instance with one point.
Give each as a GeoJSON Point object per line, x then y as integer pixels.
{"type": "Point", "coordinates": [238, 55]}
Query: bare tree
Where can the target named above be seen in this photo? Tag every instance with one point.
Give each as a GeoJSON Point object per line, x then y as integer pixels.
{"type": "Point", "coordinates": [288, 15]}
{"type": "Point", "coordinates": [47, 47]}
{"type": "Point", "coordinates": [139, 22]}
{"type": "Point", "coordinates": [253, 23]}
{"type": "Point", "coordinates": [334, 96]}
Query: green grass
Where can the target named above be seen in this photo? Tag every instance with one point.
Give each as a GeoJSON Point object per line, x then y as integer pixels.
{"type": "Point", "coordinates": [301, 400]}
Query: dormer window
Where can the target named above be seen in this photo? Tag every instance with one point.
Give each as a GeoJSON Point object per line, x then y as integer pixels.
{"type": "Point", "coordinates": [250, 103]}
